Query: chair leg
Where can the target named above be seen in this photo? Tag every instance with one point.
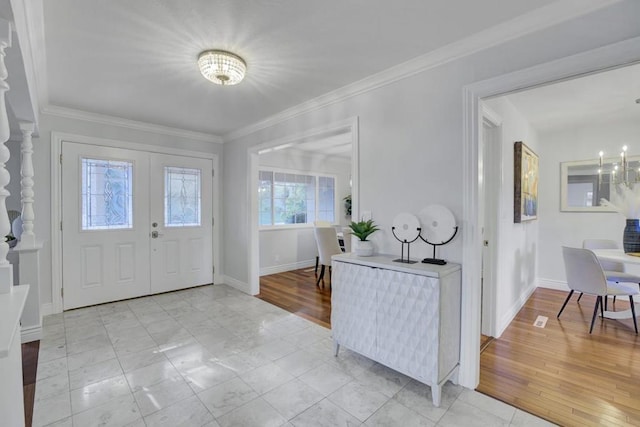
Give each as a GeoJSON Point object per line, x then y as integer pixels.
{"type": "Point", "coordinates": [317, 261]}
{"type": "Point", "coordinates": [606, 301]}
{"type": "Point", "coordinates": [633, 312]}
{"type": "Point", "coordinates": [595, 312]}
{"type": "Point", "coordinates": [580, 296]}
{"type": "Point", "coordinates": [321, 277]}
{"type": "Point", "coordinates": [601, 304]}
{"type": "Point", "coordinates": [565, 304]}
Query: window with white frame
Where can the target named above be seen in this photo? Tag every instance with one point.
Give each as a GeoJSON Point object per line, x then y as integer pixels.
{"type": "Point", "coordinates": [286, 198]}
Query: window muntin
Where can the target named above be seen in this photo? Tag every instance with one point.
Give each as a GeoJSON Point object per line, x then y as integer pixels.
{"type": "Point", "coordinates": [286, 198]}
{"type": "Point", "coordinates": [182, 197]}
{"type": "Point", "coordinates": [107, 194]}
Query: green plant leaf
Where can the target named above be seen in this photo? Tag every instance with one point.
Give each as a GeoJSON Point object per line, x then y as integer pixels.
{"type": "Point", "coordinates": [363, 229]}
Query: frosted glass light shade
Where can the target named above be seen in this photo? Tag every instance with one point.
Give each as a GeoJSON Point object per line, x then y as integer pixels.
{"type": "Point", "coordinates": [221, 67]}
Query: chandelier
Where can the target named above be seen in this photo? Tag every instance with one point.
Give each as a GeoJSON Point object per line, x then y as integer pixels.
{"type": "Point", "coordinates": [221, 67]}
{"type": "Point", "coordinates": [618, 172]}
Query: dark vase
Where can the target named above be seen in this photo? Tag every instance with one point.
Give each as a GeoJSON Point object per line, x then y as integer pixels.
{"type": "Point", "coordinates": [631, 236]}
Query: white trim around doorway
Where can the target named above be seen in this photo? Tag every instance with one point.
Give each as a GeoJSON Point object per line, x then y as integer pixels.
{"type": "Point", "coordinates": [56, 201]}
{"type": "Point", "coordinates": [608, 57]}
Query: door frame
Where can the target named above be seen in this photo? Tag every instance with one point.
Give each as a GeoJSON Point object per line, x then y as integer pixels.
{"type": "Point", "coordinates": [57, 138]}
{"type": "Point", "coordinates": [612, 56]}
{"type": "Point", "coordinates": [345, 126]}
{"type": "Point", "coordinates": [493, 176]}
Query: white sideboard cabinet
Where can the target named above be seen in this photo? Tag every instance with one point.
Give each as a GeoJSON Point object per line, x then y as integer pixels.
{"type": "Point", "coordinates": [404, 316]}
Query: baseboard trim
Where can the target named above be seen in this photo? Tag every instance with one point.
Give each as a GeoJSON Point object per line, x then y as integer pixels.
{"type": "Point", "coordinates": [553, 284]}
{"type": "Point", "coordinates": [287, 267]}
{"type": "Point", "coordinates": [237, 284]}
{"type": "Point", "coordinates": [508, 317]}
{"type": "Point", "coordinates": [32, 333]}
{"type": "Point", "coordinates": [46, 309]}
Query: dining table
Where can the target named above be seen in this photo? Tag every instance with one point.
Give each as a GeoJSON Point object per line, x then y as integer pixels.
{"type": "Point", "coordinates": [618, 255]}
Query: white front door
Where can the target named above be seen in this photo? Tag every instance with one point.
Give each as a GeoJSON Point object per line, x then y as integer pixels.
{"type": "Point", "coordinates": [181, 222]}
{"type": "Point", "coordinates": [111, 200]}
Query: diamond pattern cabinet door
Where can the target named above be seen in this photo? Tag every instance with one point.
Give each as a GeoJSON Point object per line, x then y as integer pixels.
{"type": "Point", "coordinates": [354, 306]}
{"type": "Point", "coordinates": [408, 324]}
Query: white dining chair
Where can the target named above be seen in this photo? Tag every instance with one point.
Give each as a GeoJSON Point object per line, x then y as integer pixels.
{"type": "Point", "coordinates": [585, 274]}
{"type": "Point", "coordinates": [346, 238]}
{"type": "Point", "coordinates": [321, 224]}
{"type": "Point", "coordinates": [327, 241]}
{"type": "Point", "coordinates": [614, 271]}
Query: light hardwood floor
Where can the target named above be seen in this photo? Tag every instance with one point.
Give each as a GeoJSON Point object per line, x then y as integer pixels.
{"type": "Point", "coordinates": [560, 373]}
{"type": "Point", "coordinates": [296, 292]}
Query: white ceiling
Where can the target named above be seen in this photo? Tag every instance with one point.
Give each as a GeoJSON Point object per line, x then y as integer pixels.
{"type": "Point", "coordinates": [603, 97]}
{"type": "Point", "coordinates": [136, 59]}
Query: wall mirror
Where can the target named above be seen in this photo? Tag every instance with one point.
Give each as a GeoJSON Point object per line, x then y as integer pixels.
{"type": "Point", "coordinates": [583, 183]}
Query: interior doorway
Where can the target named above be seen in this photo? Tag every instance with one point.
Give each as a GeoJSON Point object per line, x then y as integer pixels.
{"type": "Point", "coordinates": [312, 140]}
{"type": "Point", "coordinates": [608, 57]}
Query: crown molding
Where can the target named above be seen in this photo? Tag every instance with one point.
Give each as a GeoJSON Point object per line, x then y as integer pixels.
{"type": "Point", "coordinates": [528, 23]}
{"type": "Point", "coordinates": [70, 113]}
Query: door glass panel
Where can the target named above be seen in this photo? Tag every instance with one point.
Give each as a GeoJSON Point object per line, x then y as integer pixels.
{"type": "Point", "coordinates": [107, 194]}
{"type": "Point", "coordinates": [181, 197]}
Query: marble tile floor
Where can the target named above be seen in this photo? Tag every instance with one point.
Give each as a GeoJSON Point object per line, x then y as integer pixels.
{"type": "Point", "coordinates": [213, 356]}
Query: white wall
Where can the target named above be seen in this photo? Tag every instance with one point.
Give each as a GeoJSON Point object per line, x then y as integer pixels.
{"type": "Point", "coordinates": [292, 248]}
{"type": "Point", "coordinates": [43, 179]}
{"type": "Point", "coordinates": [517, 244]}
{"type": "Point", "coordinates": [557, 228]}
{"type": "Point", "coordinates": [410, 132]}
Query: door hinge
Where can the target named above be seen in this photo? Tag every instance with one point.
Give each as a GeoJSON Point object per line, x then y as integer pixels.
{"type": "Point", "coordinates": [60, 225]}
{"type": "Point", "coordinates": [62, 292]}
{"type": "Point", "coordinates": [60, 158]}
{"type": "Point", "coordinates": [214, 269]}
{"type": "Point", "coordinates": [213, 172]}
{"type": "Point", "coordinates": [213, 221]}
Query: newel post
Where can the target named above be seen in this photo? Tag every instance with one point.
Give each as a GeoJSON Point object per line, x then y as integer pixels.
{"type": "Point", "coordinates": [28, 248]}
{"type": "Point", "coordinates": [6, 269]}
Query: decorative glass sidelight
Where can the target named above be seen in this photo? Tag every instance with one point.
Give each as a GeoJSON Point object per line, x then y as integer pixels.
{"type": "Point", "coordinates": [107, 194]}
{"type": "Point", "coordinates": [181, 197]}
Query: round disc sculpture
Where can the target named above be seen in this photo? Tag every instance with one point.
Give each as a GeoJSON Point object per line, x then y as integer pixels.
{"type": "Point", "coordinates": [439, 228]}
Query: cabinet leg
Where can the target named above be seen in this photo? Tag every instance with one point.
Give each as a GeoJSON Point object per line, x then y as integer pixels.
{"type": "Point", "coordinates": [336, 348]}
{"type": "Point", "coordinates": [436, 395]}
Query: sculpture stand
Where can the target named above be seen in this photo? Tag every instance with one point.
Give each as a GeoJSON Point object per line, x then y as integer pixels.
{"type": "Point", "coordinates": [435, 260]}
{"type": "Point", "coordinates": [405, 242]}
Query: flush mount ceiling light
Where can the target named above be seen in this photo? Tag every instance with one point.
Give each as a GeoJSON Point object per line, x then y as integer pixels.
{"type": "Point", "coordinates": [221, 67]}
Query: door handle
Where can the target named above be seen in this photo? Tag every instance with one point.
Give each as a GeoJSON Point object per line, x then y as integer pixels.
{"type": "Point", "coordinates": [155, 234]}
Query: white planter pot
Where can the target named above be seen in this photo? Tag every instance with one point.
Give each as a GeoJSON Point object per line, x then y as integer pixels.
{"type": "Point", "coordinates": [364, 248]}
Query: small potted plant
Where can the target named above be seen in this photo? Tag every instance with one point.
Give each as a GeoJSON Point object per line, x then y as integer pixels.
{"type": "Point", "coordinates": [362, 230]}
{"type": "Point", "coordinates": [347, 205]}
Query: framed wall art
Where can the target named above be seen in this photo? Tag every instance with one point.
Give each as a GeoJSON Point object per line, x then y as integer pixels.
{"type": "Point", "coordinates": [525, 184]}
